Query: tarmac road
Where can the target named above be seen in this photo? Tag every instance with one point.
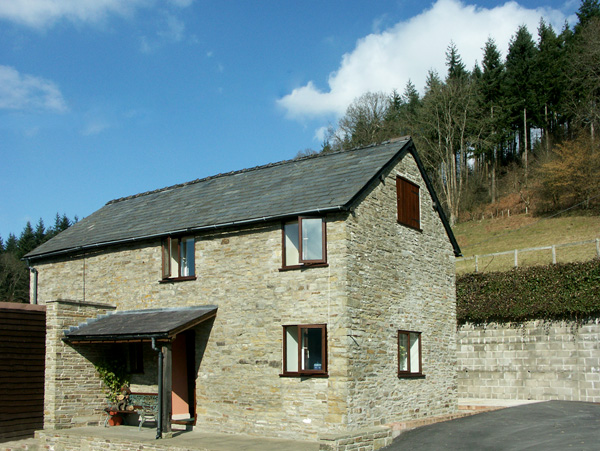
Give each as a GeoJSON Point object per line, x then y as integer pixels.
{"type": "Point", "coordinates": [547, 426]}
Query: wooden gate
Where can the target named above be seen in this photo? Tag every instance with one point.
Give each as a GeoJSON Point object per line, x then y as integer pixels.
{"type": "Point", "coordinates": [22, 357]}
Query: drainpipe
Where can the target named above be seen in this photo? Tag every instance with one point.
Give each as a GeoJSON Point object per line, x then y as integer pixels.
{"type": "Point", "coordinates": [160, 393]}
{"type": "Point", "coordinates": [35, 283]}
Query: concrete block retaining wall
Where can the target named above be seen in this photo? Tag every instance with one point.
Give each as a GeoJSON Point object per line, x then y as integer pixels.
{"type": "Point", "coordinates": [538, 360]}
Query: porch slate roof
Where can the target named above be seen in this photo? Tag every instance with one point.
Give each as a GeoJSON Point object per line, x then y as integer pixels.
{"type": "Point", "coordinates": [161, 323]}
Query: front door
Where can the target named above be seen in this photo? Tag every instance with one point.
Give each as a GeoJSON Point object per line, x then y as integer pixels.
{"type": "Point", "coordinates": [183, 399]}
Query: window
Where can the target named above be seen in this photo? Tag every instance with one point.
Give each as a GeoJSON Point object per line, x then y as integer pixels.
{"type": "Point", "coordinates": [305, 350]}
{"type": "Point", "coordinates": [407, 194]}
{"type": "Point", "coordinates": [304, 242]}
{"type": "Point", "coordinates": [409, 353]}
{"type": "Point", "coordinates": [178, 258]}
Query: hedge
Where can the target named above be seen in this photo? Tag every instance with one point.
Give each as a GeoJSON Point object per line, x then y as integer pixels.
{"type": "Point", "coordinates": [561, 291]}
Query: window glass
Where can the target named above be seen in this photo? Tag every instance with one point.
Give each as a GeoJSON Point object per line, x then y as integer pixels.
{"type": "Point", "coordinates": [173, 253]}
{"type": "Point", "coordinates": [414, 353]}
{"type": "Point", "coordinates": [312, 347]}
{"type": "Point", "coordinates": [403, 352]}
{"type": "Point", "coordinates": [291, 244]}
{"type": "Point", "coordinates": [187, 257]}
{"type": "Point", "coordinates": [312, 239]}
{"type": "Point", "coordinates": [291, 358]}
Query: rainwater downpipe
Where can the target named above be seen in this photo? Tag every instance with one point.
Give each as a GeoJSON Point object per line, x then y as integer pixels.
{"type": "Point", "coordinates": [35, 284]}
{"type": "Point", "coordinates": [160, 393]}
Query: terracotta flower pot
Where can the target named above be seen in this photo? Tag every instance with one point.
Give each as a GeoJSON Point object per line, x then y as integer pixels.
{"type": "Point", "coordinates": [115, 420]}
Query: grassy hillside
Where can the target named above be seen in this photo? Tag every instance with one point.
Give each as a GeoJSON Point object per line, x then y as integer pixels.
{"type": "Point", "coordinates": [525, 231]}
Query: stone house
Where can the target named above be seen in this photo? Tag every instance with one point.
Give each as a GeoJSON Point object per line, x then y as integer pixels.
{"type": "Point", "coordinates": [297, 299]}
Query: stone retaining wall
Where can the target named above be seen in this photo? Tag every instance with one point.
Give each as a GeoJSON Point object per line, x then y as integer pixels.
{"type": "Point", "coordinates": [538, 360]}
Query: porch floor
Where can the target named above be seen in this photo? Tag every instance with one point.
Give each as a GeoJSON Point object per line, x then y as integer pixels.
{"type": "Point", "coordinates": [181, 440]}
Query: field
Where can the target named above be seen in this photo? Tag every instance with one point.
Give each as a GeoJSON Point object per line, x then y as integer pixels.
{"type": "Point", "coordinates": [521, 232]}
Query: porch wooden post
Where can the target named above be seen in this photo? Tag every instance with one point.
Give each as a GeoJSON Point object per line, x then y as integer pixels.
{"type": "Point", "coordinates": [167, 388]}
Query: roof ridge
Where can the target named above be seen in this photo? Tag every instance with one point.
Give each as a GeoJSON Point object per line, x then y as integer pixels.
{"type": "Point", "coordinates": [254, 168]}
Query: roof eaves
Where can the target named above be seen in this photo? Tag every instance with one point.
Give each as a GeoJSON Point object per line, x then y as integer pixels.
{"type": "Point", "coordinates": [188, 230]}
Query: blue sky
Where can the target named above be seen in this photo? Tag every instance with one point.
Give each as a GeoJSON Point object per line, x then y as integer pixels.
{"type": "Point", "coordinates": [101, 99]}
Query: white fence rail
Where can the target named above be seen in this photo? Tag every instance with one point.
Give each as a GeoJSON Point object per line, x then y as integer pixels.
{"type": "Point", "coordinates": [516, 252]}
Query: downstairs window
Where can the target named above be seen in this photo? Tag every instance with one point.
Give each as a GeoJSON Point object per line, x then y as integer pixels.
{"type": "Point", "coordinates": [409, 353]}
{"type": "Point", "coordinates": [305, 350]}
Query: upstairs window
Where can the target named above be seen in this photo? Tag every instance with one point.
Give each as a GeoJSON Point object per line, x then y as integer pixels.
{"type": "Point", "coordinates": [304, 242]}
{"type": "Point", "coordinates": [305, 350]}
{"type": "Point", "coordinates": [409, 353]}
{"type": "Point", "coordinates": [178, 258]}
{"type": "Point", "coordinates": [407, 194]}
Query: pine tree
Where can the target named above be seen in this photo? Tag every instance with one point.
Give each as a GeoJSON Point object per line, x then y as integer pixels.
{"type": "Point", "coordinates": [588, 10]}
{"type": "Point", "coordinates": [549, 81]}
{"type": "Point", "coordinates": [519, 88]}
{"type": "Point", "coordinates": [11, 245]}
{"type": "Point", "coordinates": [40, 232]}
{"type": "Point", "coordinates": [491, 86]}
{"type": "Point", "coordinates": [456, 68]}
{"type": "Point", "coordinates": [27, 241]}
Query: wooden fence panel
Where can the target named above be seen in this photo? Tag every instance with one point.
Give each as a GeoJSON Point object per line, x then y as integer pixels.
{"type": "Point", "coordinates": [22, 362]}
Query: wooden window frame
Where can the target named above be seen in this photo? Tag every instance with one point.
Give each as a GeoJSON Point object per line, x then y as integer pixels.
{"type": "Point", "coordinates": [409, 373]}
{"type": "Point", "coordinates": [408, 197]}
{"type": "Point", "coordinates": [304, 263]}
{"type": "Point", "coordinates": [167, 270]}
{"type": "Point", "coordinates": [301, 372]}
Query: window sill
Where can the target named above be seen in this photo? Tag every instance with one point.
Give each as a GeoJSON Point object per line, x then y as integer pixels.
{"type": "Point", "coordinates": [411, 376]}
{"type": "Point", "coordinates": [305, 266]}
{"type": "Point", "coordinates": [305, 375]}
{"type": "Point", "coordinates": [177, 279]}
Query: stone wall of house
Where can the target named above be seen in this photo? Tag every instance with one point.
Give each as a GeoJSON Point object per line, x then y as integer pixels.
{"type": "Point", "coordinates": [73, 393]}
{"type": "Point", "coordinates": [399, 279]}
{"type": "Point", "coordinates": [539, 360]}
{"type": "Point", "coordinates": [239, 354]}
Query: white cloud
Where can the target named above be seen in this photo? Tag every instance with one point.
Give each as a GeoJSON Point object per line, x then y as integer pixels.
{"type": "Point", "coordinates": [26, 92]}
{"type": "Point", "coordinates": [42, 13]}
{"type": "Point", "coordinates": [171, 30]}
{"type": "Point", "coordinates": [95, 128]}
{"type": "Point", "coordinates": [386, 60]}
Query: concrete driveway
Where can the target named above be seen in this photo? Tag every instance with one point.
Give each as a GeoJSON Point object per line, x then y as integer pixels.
{"type": "Point", "coordinates": [548, 426]}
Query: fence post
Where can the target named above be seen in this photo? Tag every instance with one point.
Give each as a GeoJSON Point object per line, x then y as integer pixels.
{"type": "Point", "coordinates": [476, 264]}
{"type": "Point", "coordinates": [516, 259]}
{"type": "Point", "coordinates": [554, 254]}
{"type": "Point", "coordinates": [598, 247]}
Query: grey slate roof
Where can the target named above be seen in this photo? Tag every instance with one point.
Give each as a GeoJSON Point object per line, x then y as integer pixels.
{"type": "Point", "coordinates": [141, 324]}
{"type": "Point", "coordinates": [321, 183]}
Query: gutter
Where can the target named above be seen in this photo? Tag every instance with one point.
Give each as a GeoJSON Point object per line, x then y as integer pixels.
{"type": "Point", "coordinates": [34, 271]}
{"type": "Point", "coordinates": [160, 389]}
